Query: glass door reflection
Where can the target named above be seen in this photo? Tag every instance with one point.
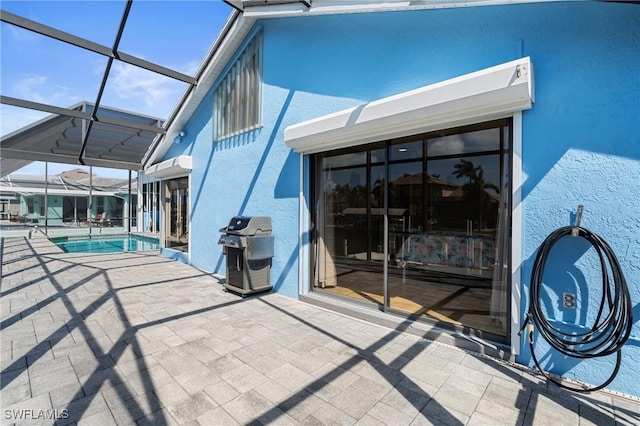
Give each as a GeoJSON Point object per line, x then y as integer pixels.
{"type": "Point", "coordinates": [350, 233]}
{"type": "Point", "coordinates": [177, 214]}
{"type": "Point", "coordinates": [448, 265]}
{"type": "Point", "coordinates": [441, 201]}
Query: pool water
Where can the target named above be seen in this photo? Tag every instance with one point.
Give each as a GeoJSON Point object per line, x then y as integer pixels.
{"type": "Point", "coordinates": [106, 244]}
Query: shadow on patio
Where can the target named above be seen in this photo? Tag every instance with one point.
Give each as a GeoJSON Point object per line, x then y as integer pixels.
{"type": "Point", "coordinates": [136, 338]}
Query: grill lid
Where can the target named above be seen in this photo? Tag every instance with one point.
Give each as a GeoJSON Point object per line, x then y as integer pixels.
{"type": "Point", "coordinates": [238, 223]}
{"type": "Point", "coordinates": [245, 225]}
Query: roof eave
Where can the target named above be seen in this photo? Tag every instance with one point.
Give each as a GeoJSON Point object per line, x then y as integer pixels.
{"type": "Point", "coordinates": [328, 7]}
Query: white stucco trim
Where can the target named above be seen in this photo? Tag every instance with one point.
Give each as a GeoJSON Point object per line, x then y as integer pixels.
{"type": "Point", "coordinates": [484, 95]}
{"type": "Point", "coordinates": [302, 213]}
{"type": "Point", "coordinates": [174, 167]}
{"type": "Point", "coordinates": [517, 180]}
{"type": "Point", "coordinates": [190, 209]}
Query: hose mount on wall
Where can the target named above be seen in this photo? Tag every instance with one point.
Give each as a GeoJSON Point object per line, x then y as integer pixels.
{"type": "Point", "coordinates": [613, 322]}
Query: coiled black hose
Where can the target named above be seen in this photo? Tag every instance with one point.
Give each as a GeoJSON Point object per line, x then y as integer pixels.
{"type": "Point", "coordinates": [613, 322]}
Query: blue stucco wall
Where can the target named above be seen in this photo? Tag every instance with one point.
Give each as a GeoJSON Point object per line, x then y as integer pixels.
{"type": "Point", "coordinates": [581, 139]}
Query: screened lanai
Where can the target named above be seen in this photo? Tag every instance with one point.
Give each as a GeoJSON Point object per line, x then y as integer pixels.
{"type": "Point", "coordinates": [73, 93]}
{"type": "Point", "coordinates": [93, 85]}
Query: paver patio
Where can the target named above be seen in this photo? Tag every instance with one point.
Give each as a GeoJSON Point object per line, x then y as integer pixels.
{"type": "Point", "coordinates": [136, 338]}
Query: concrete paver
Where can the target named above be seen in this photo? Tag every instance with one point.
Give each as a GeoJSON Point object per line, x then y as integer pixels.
{"type": "Point", "coordinates": [136, 338]}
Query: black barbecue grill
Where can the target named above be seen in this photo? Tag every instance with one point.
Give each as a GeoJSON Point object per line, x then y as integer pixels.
{"type": "Point", "coordinates": [248, 244]}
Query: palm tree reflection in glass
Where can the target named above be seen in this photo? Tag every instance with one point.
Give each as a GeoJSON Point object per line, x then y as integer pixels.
{"type": "Point", "coordinates": [475, 189]}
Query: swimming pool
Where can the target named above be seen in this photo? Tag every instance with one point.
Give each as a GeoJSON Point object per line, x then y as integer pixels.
{"type": "Point", "coordinates": [106, 244]}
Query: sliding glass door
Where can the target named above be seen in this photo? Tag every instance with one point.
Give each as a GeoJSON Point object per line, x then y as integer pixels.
{"type": "Point", "coordinates": [441, 200]}
{"type": "Point", "coordinates": [177, 214]}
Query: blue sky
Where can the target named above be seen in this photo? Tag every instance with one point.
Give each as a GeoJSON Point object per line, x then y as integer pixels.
{"type": "Point", "coordinates": [174, 34]}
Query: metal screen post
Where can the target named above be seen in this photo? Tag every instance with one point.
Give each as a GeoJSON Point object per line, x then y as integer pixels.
{"type": "Point", "coordinates": [130, 203]}
{"type": "Point", "coordinates": [46, 197]}
{"type": "Point", "coordinates": [90, 208]}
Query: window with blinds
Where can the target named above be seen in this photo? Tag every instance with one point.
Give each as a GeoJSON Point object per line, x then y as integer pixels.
{"type": "Point", "coordinates": [236, 101]}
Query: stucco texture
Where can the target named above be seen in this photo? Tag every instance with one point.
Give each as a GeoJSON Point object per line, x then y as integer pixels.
{"type": "Point", "coordinates": [580, 141]}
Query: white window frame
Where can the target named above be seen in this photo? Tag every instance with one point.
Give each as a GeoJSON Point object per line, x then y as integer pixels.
{"type": "Point", "coordinates": [237, 101]}
{"type": "Point", "coordinates": [498, 92]}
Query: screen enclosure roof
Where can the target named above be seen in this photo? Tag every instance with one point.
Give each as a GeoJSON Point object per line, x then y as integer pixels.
{"type": "Point", "coordinates": [72, 93]}
{"type": "Point", "coordinates": [118, 139]}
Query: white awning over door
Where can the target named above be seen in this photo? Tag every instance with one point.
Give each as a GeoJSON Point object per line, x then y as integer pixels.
{"type": "Point", "coordinates": [484, 95]}
{"type": "Point", "coordinates": [174, 167]}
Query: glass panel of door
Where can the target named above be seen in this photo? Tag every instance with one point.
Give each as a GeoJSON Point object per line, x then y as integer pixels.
{"type": "Point", "coordinates": [74, 210]}
{"type": "Point", "coordinates": [177, 214]}
{"type": "Point", "coordinates": [446, 219]}
{"type": "Point", "coordinates": [350, 238]}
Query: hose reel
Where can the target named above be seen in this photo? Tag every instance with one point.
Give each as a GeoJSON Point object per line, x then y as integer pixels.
{"type": "Point", "coordinates": [614, 319]}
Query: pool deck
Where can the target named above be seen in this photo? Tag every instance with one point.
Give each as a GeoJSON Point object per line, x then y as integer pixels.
{"type": "Point", "coordinates": [136, 338]}
{"type": "Point", "coordinates": [63, 231]}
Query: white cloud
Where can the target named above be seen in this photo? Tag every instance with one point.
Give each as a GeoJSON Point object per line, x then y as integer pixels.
{"type": "Point", "coordinates": [157, 92]}
{"type": "Point", "coordinates": [21, 35]}
{"type": "Point", "coordinates": [453, 144]}
{"type": "Point", "coordinates": [37, 88]}
{"type": "Point", "coordinates": [189, 68]}
{"type": "Point", "coordinates": [30, 88]}
{"type": "Point", "coordinates": [34, 88]}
